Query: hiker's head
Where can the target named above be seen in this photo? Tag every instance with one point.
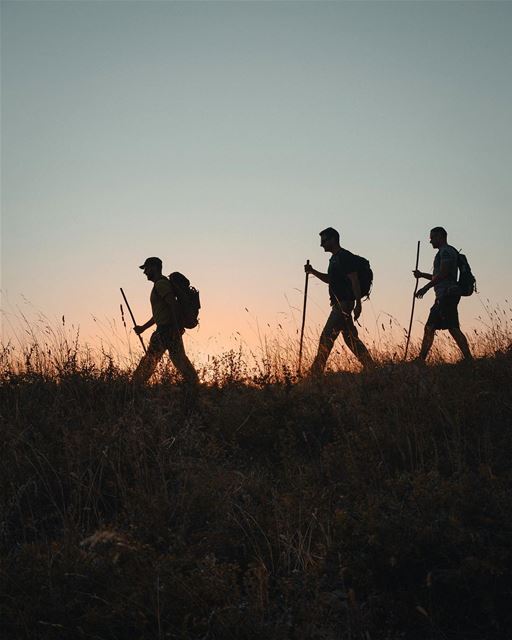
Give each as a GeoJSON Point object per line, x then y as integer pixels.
{"type": "Point", "coordinates": [438, 237]}
{"type": "Point", "coordinates": [152, 268]}
{"type": "Point", "coordinates": [329, 239]}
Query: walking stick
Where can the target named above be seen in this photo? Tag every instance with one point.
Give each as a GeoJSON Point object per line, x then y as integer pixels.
{"type": "Point", "coordinates": [413, 302]}
{"type": "Point", "coordinates": [303, 320]}
{"type": "Point", "coordinates": [133, 319]}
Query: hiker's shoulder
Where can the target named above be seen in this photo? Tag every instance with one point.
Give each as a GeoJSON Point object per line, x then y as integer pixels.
{"type": "Point", "coordinates": [163, 286]}
{"type": "Point", "coordinates": [448, 252]}
{"type": "Point", "coordinates": [340, 255]}
{"type": "Point", "coordinates": [346, 257]}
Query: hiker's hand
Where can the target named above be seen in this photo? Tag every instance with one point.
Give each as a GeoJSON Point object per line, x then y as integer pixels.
{"type": "Point", "coordinates": [308, 268]}
{"type": "Point", "coordinates": [138, 329]}
{"type": "Point", "coordinates": [421, 292]}
{"type": "Point", "coordinates": [417, 274]}
{"type": "Point", "coordinates": [357, 310]}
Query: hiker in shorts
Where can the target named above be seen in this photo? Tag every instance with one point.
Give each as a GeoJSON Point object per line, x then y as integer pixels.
{"type": "Point", "coordinates": [444, 312]}
{"type": "Point", "coordinates": [345, 296]}
{"type": "Point", "coordinates": [169, 329]}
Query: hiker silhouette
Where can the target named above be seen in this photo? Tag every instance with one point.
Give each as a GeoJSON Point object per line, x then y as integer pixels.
{"type": "Point", "coordinates": [168, 335]}
{"type": "Point", "coordinates": [345, 296]}
{"type": "Point", "coordinates": [444, 312]}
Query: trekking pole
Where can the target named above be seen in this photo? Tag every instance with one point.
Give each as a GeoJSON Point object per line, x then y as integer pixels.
{"type": "Point", "coordinates": [303, 320]}
{"type": "Point", "coordinates": [133, 319]}
{"type": "Point", "coordinates": [413, 302]}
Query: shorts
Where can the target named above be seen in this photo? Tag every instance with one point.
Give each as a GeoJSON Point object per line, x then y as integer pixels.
{"type": "Point", "coordinates": [163, 338]}
{"type": "Point", "coordinates": [444, 313]}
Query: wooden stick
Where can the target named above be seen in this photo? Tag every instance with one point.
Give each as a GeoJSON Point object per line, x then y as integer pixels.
{"type": "Point", "coordinates": [413, 302]}
{"type": "Point", "coordinates": [133, 320]}
{"type": "Point", "coordinates": [303, 320]}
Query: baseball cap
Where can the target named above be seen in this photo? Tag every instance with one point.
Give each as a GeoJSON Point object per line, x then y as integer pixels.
{"type": "Point", "coordinates": [151, 261]}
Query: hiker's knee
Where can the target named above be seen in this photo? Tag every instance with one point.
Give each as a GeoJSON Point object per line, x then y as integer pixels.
{"type": "Point", "coordinates": [327, 339]}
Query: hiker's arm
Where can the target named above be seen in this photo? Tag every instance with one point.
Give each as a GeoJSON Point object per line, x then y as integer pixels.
{"type": "Point", "coordinates": [321, 276]}
{"type": "Point", "coordinates": [140, 328]}
{"type": "Point", "coordinates": [356, 289]}
{"type": "Point", "coordinates": [421, 274]}
{"type": "Point", "coordinates": [444, 272]}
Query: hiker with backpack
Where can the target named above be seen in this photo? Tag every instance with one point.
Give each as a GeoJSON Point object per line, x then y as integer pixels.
{"type": "Point", "coordinates": [170, 315]}
{"type": "Point", "coordinates": [444, 313]}
{"type": "Point", "coordinates": [349, 278]}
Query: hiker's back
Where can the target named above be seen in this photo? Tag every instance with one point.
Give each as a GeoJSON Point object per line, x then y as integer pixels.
{"type": "Point", "coordinates": [340, 265]}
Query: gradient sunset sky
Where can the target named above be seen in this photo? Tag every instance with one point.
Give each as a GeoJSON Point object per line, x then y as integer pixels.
{"type": "Point", "coordinates": [223, 136]}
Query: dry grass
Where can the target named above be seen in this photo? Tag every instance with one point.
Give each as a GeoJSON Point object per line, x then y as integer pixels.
{"type": "Point", "coordinates": [376, 505]}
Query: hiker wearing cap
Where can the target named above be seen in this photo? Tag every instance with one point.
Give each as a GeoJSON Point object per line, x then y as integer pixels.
{"type": "Point", "coordinates": [169, 330]}
{"type": "Point", "coordinates": [444, 313]}
{"type": "Point", "coordinates": [345, 295]}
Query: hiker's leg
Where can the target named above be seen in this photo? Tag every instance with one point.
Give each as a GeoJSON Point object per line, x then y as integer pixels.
{"type": "Point", "coordinates": [450, 314]}
{"type": "Point", "coordinates": [462, 343]}
{"type": "Point", "coordinates": [351, 336]}
{"type": "Point", "coordinates": [435, 320]}
{"type": "Point", "coordinates": [327, 338]}
{"type": "Point", "coordinates": [355, 344]}
{"type": "Point", "coordinates": [428, 339]}
{"type": "Point", "coordinates": [149, 360]}
{"type": "Point", "coordinates": [180, 360]}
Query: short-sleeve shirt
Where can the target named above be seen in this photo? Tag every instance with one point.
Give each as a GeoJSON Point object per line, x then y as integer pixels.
{"type": "Point", "coordinates": [448, 255]}
{"type": "Point", "coordinates": [340, 286]}
{"type": "Point", "coordinates": [162, 296]}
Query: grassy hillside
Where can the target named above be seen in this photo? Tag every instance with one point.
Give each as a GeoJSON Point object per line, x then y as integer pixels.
{"type": "Point", "coordinates": [378, 505]}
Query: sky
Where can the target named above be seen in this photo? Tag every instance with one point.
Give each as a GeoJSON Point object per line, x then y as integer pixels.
{"type": "Point", "coordinates": [223, 136]}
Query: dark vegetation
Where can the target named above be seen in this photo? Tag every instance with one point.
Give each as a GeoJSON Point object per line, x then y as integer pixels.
{"type": "Point", "coordinates": [377, 506]}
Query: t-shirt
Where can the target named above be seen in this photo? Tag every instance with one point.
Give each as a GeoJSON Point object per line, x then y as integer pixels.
{"type": "Point", "coordinates": [162, 297]}
{"type": "Point", "coordinates": [448, 255]}
{"type": "Point", "coordinates": [340, 286]}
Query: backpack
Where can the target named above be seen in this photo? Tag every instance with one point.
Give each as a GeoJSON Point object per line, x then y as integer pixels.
{"type": "Point", "coordinates": [365, 275]}
{"type": "Point", "coordinates": [188, 300]}
{"type": "Point", "coordinates": [467, 281]}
